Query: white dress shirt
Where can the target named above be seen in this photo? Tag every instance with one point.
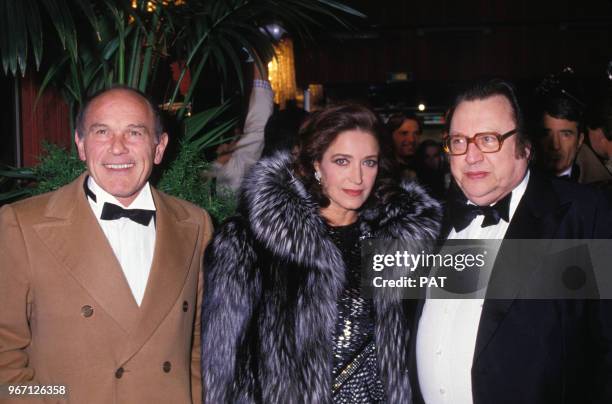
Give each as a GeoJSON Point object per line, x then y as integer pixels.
{"type": "Point", "coordinates": [132, 243]}
{"type": "Point", "coordinates": [447, 331]}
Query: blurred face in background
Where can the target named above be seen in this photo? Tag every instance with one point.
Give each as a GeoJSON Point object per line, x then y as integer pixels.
{"type": "Point", "coordinates": [560, 144]}
{"type": "Point", "coordinates": [347, 173]}
{"type": "Point", "coordinates": [433, 157]}
{"type": "Point", "coordinates": [405, 138]}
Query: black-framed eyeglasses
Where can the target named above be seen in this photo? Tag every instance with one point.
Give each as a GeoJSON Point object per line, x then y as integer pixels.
{"type": "Point", "coordinates": [487, 142]}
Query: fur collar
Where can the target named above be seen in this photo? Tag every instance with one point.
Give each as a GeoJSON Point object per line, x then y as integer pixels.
{"type": "Point", "coordinates": [284, 217]}
{"type": "Point", "coordinates": [280, 219]}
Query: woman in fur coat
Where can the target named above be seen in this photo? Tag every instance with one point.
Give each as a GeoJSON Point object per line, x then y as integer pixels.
{"type": "Point", "coordinates": [283, 318]}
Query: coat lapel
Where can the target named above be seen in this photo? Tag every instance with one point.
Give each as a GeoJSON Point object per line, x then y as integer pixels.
{"type": "Point", "coordinates": [175, 244]}
{"type": "Point", "coordinates": [538, 216]}
{"type": "Point", "coordinates": [72, 234]}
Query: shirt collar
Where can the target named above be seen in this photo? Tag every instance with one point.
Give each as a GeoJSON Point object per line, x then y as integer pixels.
{"type": "Point", "coordinates": [567, 172]}
{"type": "Point", "coordinates": [517, 194]}
{"type": "Point", "coordinates": [144, 200]}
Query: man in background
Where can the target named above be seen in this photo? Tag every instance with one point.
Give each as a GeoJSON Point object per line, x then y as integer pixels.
{"type": "Point", "coordinates": [405, 130]}
{"type": "Point", "coordinates": [563, 135]}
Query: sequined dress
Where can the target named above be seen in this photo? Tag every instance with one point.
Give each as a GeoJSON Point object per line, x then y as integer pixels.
{"type": "Point", "coordinates": [354, 330]}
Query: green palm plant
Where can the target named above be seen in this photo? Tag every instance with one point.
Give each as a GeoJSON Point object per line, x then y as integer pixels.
{"type": "Point", "coordinates": [106, 42]}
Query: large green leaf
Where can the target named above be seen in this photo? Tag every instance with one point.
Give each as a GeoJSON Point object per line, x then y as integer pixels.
{"type": "Point", "coordinates": [214, 136]}
{"type": "Point", "coordinates": [50, 75]}
{"type": "Point", "coordinates": [61, 17]}
{"type": "Point", "coordinates": [195, 123]}
{"type": "Point", "coordinates": [19, 173]}
{"type": "Point", "coordinates": [35, 30]}
{"type": "Point", "coordinates": [230, 52]}
{"type": "Point", "coordinates": [134, 61]}
{"type": "Point", "coordinates": [88, 10]}
{"type": "Point", "coordinates": [342, 7]}
{"type": "Point", "coordinates": [17, 44]}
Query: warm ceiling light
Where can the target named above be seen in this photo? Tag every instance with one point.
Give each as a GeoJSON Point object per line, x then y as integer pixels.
{"type": "Point", "coordinates": [151, 4]}
{"type": "Point", "coordinates": [281, 72]}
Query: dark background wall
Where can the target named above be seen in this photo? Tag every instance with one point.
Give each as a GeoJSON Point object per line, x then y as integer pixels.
{"type": "Point", "coordinates": [8, 151]}
{"type": "Point", "coordinates": [459, 40]}
{"type": "Point", "coordinates": [438, 43]}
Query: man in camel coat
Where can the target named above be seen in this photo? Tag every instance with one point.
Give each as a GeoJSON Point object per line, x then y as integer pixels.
{"type": "Point", "coordinates": [101, 280]}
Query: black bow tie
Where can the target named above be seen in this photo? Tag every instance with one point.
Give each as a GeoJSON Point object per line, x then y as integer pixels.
{"type": "Point", "coordinates": [463, 213]}
{"type": "Point", "coordinates": [110, 211]}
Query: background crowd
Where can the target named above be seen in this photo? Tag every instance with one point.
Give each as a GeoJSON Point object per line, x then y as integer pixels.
{"type": "Point", "coordinates": [571, 136]}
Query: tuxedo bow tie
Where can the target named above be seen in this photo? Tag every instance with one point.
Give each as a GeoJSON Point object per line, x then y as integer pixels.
{"type": "Point", "coordinates": [110, 211]}
{"type": "Point", "coordinates": [463, 213]}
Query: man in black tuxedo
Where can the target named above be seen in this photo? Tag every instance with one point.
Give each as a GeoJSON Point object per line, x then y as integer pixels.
{"type": "Point", "coordinates": [511, 351]}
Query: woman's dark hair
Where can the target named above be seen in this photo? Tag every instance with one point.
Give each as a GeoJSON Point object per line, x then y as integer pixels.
{"type": "Point", "coordinates": [323, 127]}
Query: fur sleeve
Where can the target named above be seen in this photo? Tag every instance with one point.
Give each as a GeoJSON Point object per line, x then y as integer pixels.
{"type": "Point", "coordinates": [232, 288]}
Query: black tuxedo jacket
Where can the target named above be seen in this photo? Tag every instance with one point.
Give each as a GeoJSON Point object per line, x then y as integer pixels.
{"type": "Point", "coordinates": [544, 351]}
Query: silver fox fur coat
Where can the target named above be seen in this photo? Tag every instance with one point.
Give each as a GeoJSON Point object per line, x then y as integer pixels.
{"type": "Point", "coordinates": [273, 277]}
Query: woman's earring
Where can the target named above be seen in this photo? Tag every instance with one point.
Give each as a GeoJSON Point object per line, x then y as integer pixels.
{"type": "Point", "coordinates": [317, 177]}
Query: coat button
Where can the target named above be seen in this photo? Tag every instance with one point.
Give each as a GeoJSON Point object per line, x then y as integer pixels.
{"type": "Point", "coordinates": [119, 373]}
{"type": "Point", "coordinates": [167, 366]}
{"type": "Point", "coordinates": [87, 311]}
{"type": "Point", "coordinates": [185, 306]}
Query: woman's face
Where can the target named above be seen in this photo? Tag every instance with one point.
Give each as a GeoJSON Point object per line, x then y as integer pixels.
{"type": "Point", "coordinates": [348, 170]}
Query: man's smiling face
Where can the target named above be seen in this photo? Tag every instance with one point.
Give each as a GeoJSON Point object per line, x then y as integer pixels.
{"type": "Point", "coordinates": [119, 145]}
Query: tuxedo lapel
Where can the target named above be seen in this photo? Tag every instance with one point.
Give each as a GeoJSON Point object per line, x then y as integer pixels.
{"type": "Point", "coordinates": [537, 217]}
{"type": "Point", "coordinates": [72, 234]}
{"type": "Point", "coordinates": [176, 241]}
{"type": "Point", "coordinates": [539, 213]}
{"type": "Point", "coordinates": [447, 225]}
